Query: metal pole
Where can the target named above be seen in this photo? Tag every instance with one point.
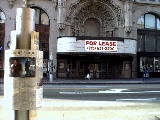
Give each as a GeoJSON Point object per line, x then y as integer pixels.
{"type": "Point", "coordinates": [21, 114]}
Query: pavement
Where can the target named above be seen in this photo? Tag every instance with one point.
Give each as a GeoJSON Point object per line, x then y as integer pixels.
{"type": "Point", "coordinates": [98, 81]}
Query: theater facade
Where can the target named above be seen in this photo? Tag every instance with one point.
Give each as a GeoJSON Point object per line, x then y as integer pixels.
{"type": "Point", "coordinates": [127, 33]}
{"type": "Point", "coordinates": [107, 57]}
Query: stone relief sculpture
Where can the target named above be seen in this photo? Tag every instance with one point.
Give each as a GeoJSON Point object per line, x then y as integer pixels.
{"type": "Point", "coordinates": [11, 3]}
{"type": "Point", "coordinates": [105, 11]}
{"type": "Point", "coordinates": [54, 2]}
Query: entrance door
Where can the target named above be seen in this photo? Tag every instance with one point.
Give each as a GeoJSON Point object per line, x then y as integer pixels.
{"type": "Point", "coordinates": [94, 69]}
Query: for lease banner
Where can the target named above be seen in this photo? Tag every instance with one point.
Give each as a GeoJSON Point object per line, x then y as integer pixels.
{"type": "Point", "coordinates": [100, 45]}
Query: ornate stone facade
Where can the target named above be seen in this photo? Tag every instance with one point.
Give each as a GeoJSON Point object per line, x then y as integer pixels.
{"type": "Point", "coordinates": [117, 18]}
{"type": "Point", "coordinates": [109, 15]}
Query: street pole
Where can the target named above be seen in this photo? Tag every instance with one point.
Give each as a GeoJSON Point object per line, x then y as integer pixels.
{"type": "Point", "coordinates": [23, 68]}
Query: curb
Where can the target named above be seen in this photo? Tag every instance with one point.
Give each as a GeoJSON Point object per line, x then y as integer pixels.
{"type": "Point", "coordinates": [102, 82]}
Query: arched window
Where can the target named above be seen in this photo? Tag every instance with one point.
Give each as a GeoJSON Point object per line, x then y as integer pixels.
{"type": "Point", "coordinates": [40, 16]}
{"type": "Point", "coordinates": [2, 17]}
{"type": "Point", "coordinates": [92, 27]}
{"type": "Point", "coordinates": [148, 21]}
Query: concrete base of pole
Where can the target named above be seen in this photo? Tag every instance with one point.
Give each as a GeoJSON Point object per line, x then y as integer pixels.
{"type": "Point", "coordinates": [21, 114]}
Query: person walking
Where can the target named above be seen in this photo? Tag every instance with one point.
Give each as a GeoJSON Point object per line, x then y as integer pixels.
{"type": "Point", "coordinates": [67, 72]}
{"type": "Point", "coordinates": [145, 73]}
{"type": "Point", "coordinates": [88, 74]}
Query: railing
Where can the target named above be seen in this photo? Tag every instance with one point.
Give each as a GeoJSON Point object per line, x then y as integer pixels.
{"type": "Point", "coordinates": [148, 1]}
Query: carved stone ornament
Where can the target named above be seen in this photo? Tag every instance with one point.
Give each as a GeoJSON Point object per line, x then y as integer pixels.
{"type": "Point", "coordinates": [61, 16]}
{"type": "Point", "coordinates": [128, 16]}
{"type": "Point", "coordinates": [128, 29]}
{"type": "Point", "coordinates": [54, 2]}
{"type": "Point", "coordinates": [11, 3]}
{"type": "Point", "coordinates": [105, 11]}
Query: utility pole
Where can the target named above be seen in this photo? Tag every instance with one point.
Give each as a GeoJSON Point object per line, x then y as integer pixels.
{"type": "Point", "coordinates": [23, 68]}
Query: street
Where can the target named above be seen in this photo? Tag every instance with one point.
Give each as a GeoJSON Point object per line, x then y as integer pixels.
{"type": "Point", "coordinates": [97, 102]}
{"type": "Point", "coordinates": [111, 92]}
{"type": "Point", "coordinates": [101, 92]}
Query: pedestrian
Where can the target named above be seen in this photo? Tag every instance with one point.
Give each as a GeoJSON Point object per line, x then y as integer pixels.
{"type": "Point", "coordinates": [147, 73]}
{"type": "Point", "coordinates": [67, 73]}
{"type": "Point", "coordinates": [144, 73]}
{"type": "Point", "coordinates": [88, 73]}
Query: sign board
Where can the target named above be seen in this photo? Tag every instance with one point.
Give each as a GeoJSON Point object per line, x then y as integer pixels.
{"type": "Point", "coordinates": [71, 44]}
{"type": "Point", "coordinates": [100, 45]}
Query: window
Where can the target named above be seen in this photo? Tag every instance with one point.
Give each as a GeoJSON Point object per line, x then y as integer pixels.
{"type": "Point", "coordinates": [148, 33]}
{"type": "Point", "coordinates": [158, 24]}
{"type": "Point", "coordinates": [2, 17]}
{"type": "Point", "coordinates": [148, 21]}
{"type": "Point", "coordinates": [148, 43]}
{"type": "Point", "coordinates": [140, 23]}
{"type": "Point", "coordinates": [153, 63]}
{"type": "Point", "coordinates": [40, 16]}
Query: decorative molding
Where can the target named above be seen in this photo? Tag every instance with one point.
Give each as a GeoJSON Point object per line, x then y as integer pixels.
{"type": "Point", "coordinates": [11, 3]}
{"type": "Point", "coordinates": [54, 2]}
{"type": "Point", "coordinates": [128, 16]}
{"type": "Point", "coordinates": [61, 16]}
{"type": "Point", "coordinates": [109, 15]}
{"type": "Point", "coordinates": [60, 26]}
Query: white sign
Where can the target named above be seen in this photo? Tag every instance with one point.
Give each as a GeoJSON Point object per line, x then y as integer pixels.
{"type": "Point", "coordinates": [71, 44]}
{"type": "Point", "coordinates": [100, 45]}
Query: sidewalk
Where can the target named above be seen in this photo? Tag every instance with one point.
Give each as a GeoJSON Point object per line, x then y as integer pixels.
{"type": "Point", "coordinates": [98, 81]}
{"type": "Point", "coordinates": [101, 81]}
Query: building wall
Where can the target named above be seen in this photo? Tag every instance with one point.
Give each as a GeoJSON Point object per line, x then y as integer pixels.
{"type": "Point", "coordinates": [63, 22]}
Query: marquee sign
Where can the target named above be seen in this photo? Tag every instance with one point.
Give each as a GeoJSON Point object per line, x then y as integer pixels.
{"type": "Point", "coordinates": [71, 44]}
{"type": "Point", "coordinates": [100, 45]}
